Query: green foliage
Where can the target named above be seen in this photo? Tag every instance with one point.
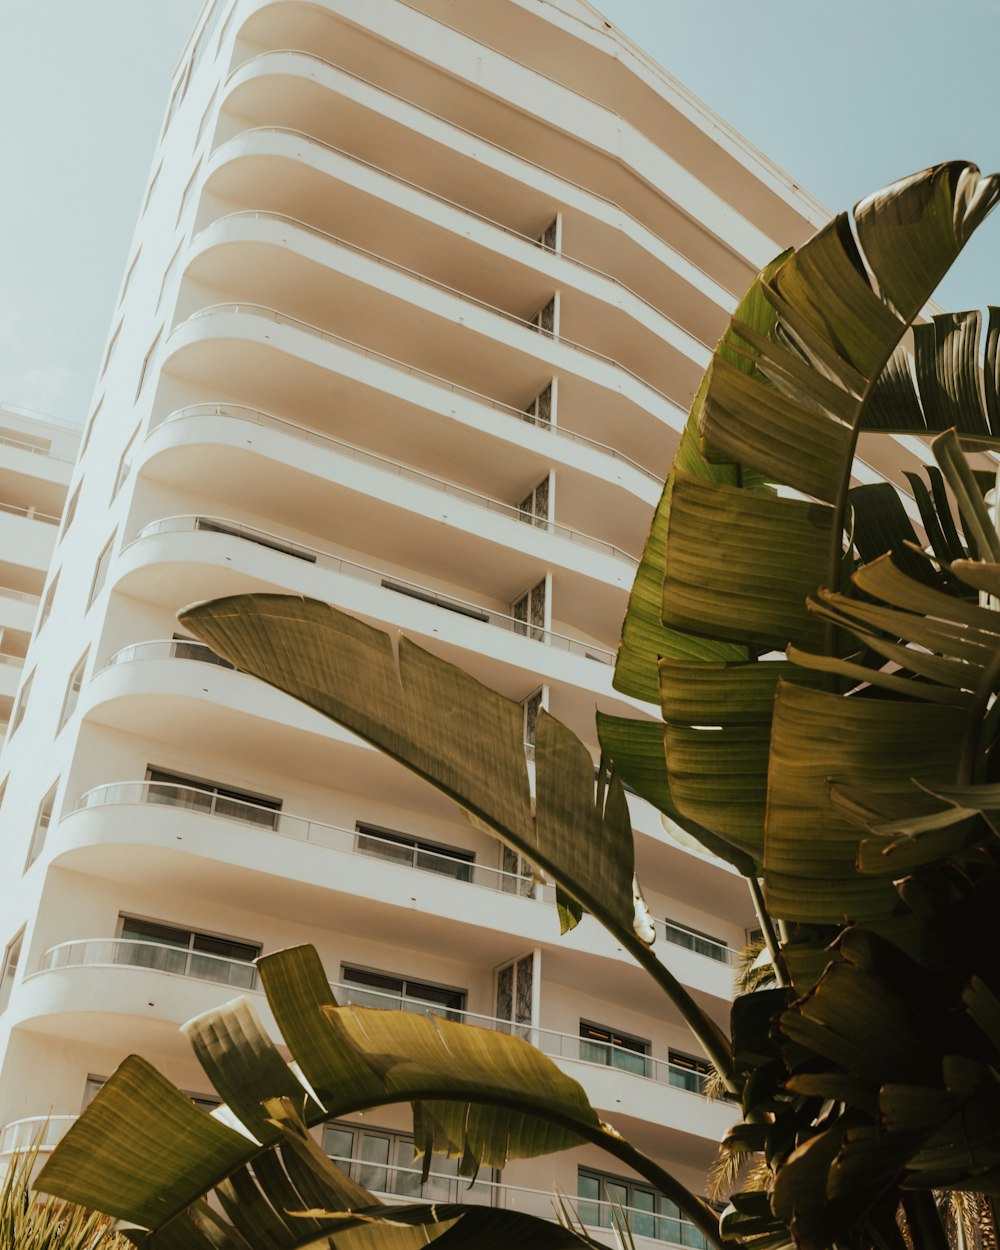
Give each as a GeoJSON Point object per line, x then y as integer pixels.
{"type": "Point", "coordinates": [831, 725]}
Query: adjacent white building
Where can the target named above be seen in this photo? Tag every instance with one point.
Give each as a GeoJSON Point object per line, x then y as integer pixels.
{"type": "Point", "coordinates": [416, 305]}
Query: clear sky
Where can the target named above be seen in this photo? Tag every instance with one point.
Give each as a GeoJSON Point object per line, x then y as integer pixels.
{"type": "Point", "coordinates": [844, 95]}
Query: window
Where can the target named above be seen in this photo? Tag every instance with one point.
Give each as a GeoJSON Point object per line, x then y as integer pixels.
{"type": "Point", "coordinates": [695, 940]}
{"type": "Point", "coordinates": [649, 1214]}
{"type": "Point", "coordinates": [251, 536]}
{"type": "Point", "coordinates": [549, 238]}
{"type": "Point", "coordinates": [185, 648]}
{"type": "Point", "coordinates": [383, 1161]}
{"type": "Point", "coordinates": [101, 569]}
{"type": "Point", "coordinates": [70, 512]}
{"type": "Point", "coordinates": [111, 348]}
{"type": "Point", "coordinates": [168, 273]}
{"type": "Point", "coordinates": [225, 28]}
{"type": "Point", "coordinates": [186, 193]}
{"type": "Point", "coordinates": [175, 790]}
{"type": "Point", "coordinates": [439, 601]}
{"type": "Point", "coordinates": [545, 319]}
{"type": "Point", "coordinates": [688, 1071]}
{"type": "Point", "coordinates": [207, 1102]}
{"type": "Point", "coordinates": [90, 426]}
{"type": "Point", "coordinates": [515, 994]}
{"type": "Point", "coordinates": [152, 186]}
{"type": "Point", "coordinates": [22, 704]}
{"type": "Point", "coordinates": [539, 411]}
{"type": "Point", "coordinates": [42, 822]}
{"type": "Point", "coordinates": [128, 273]}
{"type": "Point", "coordinates": [73, 689]}
{"type": "Point", "coordinates": [617, 1050]}
{"type": "Point", "coordinates": [46, 608]}
{"type": "Point", "coordinates": [534, 507]}
{"type": "Point", "coordinates": [529, 612]}
{"type": "Point", "coordinates": [382, 989]}
{"type": "Point", "coordinates": [402, 849]}
{"type": "Point", "coordinates": [8, 974]}
{"type": "Point", "coordinates": [204, 118]}
{"type": "Point", "coordinates": [150, 944]}
{"type": "Point", "coordinates": [531, 706]}
{"type": "Point", "coordinates": [125, 464]}
{"type": "Point", "coordinates": [144, 367]}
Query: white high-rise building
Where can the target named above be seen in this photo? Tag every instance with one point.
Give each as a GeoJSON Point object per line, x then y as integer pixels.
{"type": "Point", "coordinates": [37, 453]}
{"type": "Point", "coordinates": [416, 305]}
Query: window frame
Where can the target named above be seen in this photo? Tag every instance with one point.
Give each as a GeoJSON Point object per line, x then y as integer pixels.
{"type": "Point", "coordinates": [21, 704]}
{"type": "Point", "coordinates": [101, 566]}
{"type": "Point", "coordinates": [43, 822]}
{"type": "Point", "coordinates": [459, 855]}
{"type": "Point", "coordinates": [8, 975]}
{"type": "Point", "coordinates": [74, 685]}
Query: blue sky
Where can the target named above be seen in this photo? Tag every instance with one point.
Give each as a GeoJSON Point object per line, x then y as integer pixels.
{"type": "Point", "coordinates": [845, 97]}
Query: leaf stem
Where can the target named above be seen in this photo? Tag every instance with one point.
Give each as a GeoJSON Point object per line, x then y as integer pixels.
{"type": "Point", "coordinates": [770, 937]}
{"type": "Point", "coordinates": [926, 1229]}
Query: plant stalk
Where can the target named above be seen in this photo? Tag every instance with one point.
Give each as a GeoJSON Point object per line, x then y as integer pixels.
{"type": "Point", "coordinates": [924, 1221]}
{"type": "Point", "coordinates": [770, 937]}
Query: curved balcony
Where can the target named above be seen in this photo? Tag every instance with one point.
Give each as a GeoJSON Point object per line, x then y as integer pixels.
{"type": "Point", "coordinates": [561, 258]}
{"type": "Point", "coordinates": [554, 145]}
{"type": "Point", "coordinates": [350, 841]}
{"type": "Point", "coordinates": [34, 1132]}
{"type": "Point", "coordinates": [238, 974]}
{"type": "Point", "coordinates": [350, 272]}
{"type": "Point", "coordinates": [360, 572]}
{"type": "Point", "coordinates": [384, 464]}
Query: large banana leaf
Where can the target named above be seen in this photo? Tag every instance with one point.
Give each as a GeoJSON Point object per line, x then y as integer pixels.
{"type": "Point", "coordinates": [484, 1096]}
{"type": "Point", "coordinates": [466, 740]}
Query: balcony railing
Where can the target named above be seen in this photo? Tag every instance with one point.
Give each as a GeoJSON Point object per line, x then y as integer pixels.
{"type": "Point", "coordinates": [303, 829]}
{"type": "Point", "coordinates": [31, 513]}
{"type": "Point", "coordinates": [157, 957]}
{"type": "Point", "coordinates": [451, 291]}
{"type": "Point", "coordinates": [266, 420]}
{"type": "Point", "coordinates": [7, 593]}
{"type": "Point", "coordinates": [336, 837]}
{"type": "Point", "coordinates": [363, 573]}
{"type": "Point", "coordinates": [481, 139]}
{"type": "Point", "coordinates": [34, 449]}
{"type": "Point", "coordinates": [41, 1132]}
{"type": "Point", "coordinates": [391, 1180]}
{"type": "Point", "coordinates": [575, 261]}
{"type": "Point", "coordinates": [434, 379]}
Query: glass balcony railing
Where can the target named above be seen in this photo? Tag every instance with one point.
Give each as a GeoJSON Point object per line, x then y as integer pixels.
{"type": "Point", "coordinates": [364, 842]}
{"type": "Point", "coordinates": [157, 957]}
{"type": "Point", "coordinates": [413, 371]}
{"type": "Point", "coordinates": [395, 1181]}
{"type": "Point", "coordinates": [361, 572]}
{"type": "Point", "coordinates": [292, 430]}
{"type": "Point", "coordinates": [32, 514]}
{"type": "Point", "coordinates": [41, 1132]}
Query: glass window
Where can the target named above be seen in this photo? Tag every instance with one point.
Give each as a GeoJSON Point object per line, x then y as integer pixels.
{"type": "Point", "coordinates": [529, 611]}
{"type": "Point", "coordinates": [101, 569]}
{"type": "Point", "coordinates": [73, 688]}
{"type": "Point", "coordinates": [603, 1045]}
{"type": "Point", "coordinates": [695, 940]}
{"type": "Point", "coordinates": [22, 704]}
{"type": "Point", "coordinates": [534, 507]}
{"type": "Point", "coordinates": [204, 117]}
{"type": "Point", "coordinates": [368, 988]}
{"type": "Point", "coordinates": [125, 463]}
{"type": "Point", "coordinates": [111, 347]}
{"type": "Point", "coordinates": [384, 1161]}
{"type": "Point", "coordinates": [46, 608]}
{"type": "Point", "coordinates": [8, 974]}
{"type": "Point", "coordinates": [648, 1214]}
{"type": "Point", "coordinates": [439, 601]}
{"type": "Point", "coordinates": [168, 272]}
{"type": "Point", "coordinates": [70, 512]}
{"type": "Point", "coordinates": [129, 272]}
{"type": "Point", "coordinates": [688, 1071]}
{"type": "Point", "coordinates": [152, 185]}
{"type": "Point", "coordinates": [176, 790]}
{"type": "Point", "coordinates": [402, 849]}
{"type": "Point", "coordinates": [545, 318]}
{"type": "Point", "coordinates": [166, 948]}
{"type": "Point", "coordinates": [144, 367]}
{"type": "Point", "coordinates": [42, 821]}
{"type": "Point", "coordinates": [186, 194]}
{"type": "Point", "coordinates": [90, 426]}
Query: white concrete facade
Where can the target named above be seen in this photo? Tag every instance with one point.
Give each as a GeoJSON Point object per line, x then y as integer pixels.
{"type": "Point", "coordinates": [408, 276]}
